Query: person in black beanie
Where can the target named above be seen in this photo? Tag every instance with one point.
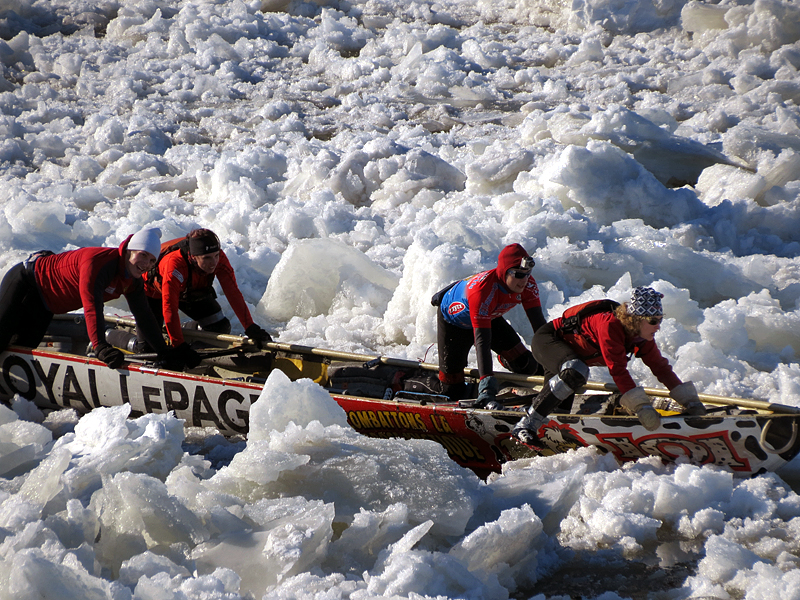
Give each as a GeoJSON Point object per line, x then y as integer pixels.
{"type": "Point", "coordinates": [182, 280]}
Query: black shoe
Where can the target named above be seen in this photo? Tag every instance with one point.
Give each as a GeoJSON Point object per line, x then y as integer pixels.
{"type": "Point", "coordinates": [493, 405]}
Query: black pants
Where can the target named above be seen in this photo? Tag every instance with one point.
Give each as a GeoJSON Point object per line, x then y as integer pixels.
{"type": "Point", "coordinates": [201, 306]}
{"type": "Point", "coordinates": [23, 316]}
{"type": "Point", "coordinates": [456, 342]}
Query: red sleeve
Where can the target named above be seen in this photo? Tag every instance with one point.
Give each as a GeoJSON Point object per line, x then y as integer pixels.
{"type": "Point", "coordinates": [174, 279]}
{"type": "Point", "coordinates": [609, 334]}
{"type": "Point", "coordinates": [530, 295]}
{"type": "Point", "coordinates": [479, 298]}
{"type": "Point", "coordinates": [95, 274]}
{"type": "Point", "coordinates": [227, 281]}
{"type": "Point", "coordinates": [651, 356]}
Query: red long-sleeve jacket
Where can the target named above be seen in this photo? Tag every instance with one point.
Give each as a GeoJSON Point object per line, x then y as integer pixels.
{"type": "Point", "coordinates": [602, 340]}
{"type": "Point", "coordinates": [89, 277]}
{"type": "Point", "coordinates": [177, 276]}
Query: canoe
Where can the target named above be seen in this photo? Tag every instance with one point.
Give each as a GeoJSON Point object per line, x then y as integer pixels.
{"type": "Point", "coordinates": [744, 436]}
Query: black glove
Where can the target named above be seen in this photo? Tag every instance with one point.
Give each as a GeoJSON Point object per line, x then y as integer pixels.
{"type": "Point", "coordinates": [258, 335]}
{"type": "Point", "coordinates": [179, 358]}
{"type": "Point", "coordinates": [186, 354]}
{"type": "Point", "coordinates": [113, 357]}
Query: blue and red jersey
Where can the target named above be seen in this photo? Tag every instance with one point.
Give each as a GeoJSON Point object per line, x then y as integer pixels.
{"type": "Point", "coordinates": [474, 302]}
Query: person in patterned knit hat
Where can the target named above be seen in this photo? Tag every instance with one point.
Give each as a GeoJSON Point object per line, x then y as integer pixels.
{"type": "Point", "coordinates": [603, 333]}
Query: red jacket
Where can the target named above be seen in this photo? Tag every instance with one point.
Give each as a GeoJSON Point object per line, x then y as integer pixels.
{"type": "Point", "coordinates": [177, 277]}
{"type": "Point", "coordinates": [603, 341]}
{"type": "Point", "coordinates": [87, 278]}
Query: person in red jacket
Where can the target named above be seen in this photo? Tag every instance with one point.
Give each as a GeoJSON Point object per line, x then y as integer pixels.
{"type": "Point", "coordinates": [471, 312]}
{"type": "Point", "coordinates": [182, 281]}
{"type": "Point", "coordinates": [46, 284]}
{"type": "Point", "coordinates": [603, 333]}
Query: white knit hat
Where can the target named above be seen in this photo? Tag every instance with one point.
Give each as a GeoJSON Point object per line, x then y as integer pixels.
{"type": "Point", "coordinates": [148, 240]}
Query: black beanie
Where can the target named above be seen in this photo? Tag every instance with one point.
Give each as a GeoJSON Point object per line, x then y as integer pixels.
{"type": "Point", "coordinates": [205, 243]}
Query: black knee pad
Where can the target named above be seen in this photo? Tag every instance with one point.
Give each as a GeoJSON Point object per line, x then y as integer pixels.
{"type": "Point", "coordinates": [524, 364]}
{"type": "Point", "coordinates": [574, 373]}
{"type": "Point", "coordinates": [221, 326]}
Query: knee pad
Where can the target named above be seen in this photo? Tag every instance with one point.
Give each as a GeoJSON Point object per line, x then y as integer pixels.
{"type": "Point", "coordinates": [221, 326]}
{"type": "Point", "coordinates": [574, 374]}
{"type": "Point", "coordinates": [524, 364]}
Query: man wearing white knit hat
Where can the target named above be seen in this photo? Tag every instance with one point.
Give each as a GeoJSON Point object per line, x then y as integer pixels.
{"type": "Point", "coordinates": [46, 284]}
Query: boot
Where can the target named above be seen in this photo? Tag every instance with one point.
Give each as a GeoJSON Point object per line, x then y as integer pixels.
{"type": "Point", "coordinates": [487, 394]}
{"type": "Point", "coordinates": [637, 402]}
{"type": "Point", "coordinates": [527, 429]}
{"type": "Point", "coordinates": [686, 395]}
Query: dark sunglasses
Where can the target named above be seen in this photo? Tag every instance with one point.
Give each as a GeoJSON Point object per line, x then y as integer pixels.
{"type": "Point", "coordinates": [655, 320]}
{"type": "Point", "coordinates": [520, 274]}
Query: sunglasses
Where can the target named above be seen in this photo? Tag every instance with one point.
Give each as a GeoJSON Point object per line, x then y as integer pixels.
{"type": "Point", "coordinates": [655, 320]}
{"type": "Point", "coordinates": [519, 274]}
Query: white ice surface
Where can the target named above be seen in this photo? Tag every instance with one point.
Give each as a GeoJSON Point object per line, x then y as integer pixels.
{"type": "Point", "coordinates": [354, 158]}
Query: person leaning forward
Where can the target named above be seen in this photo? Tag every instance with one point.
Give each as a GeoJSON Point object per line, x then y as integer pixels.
{"type": "Point", "coordinates": [603, 333]}
{"type": "Point", "coordinates": [46, 284]}
{"type": "Point", "coordinates": [182, 280]}
{"type": "Point", "coordinates": [471, 312]}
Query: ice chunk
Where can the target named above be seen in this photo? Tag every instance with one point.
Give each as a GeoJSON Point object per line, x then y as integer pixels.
{"type": "Point", "coordinates": [31, 575]}
{"type": "Point", "coordinates": [309, 402]}
{"type": "Point", "coordinates": [22, 443]}
{"type": "Point", "coordinates": [262, 558]}
{"type": "Point", "coordinates": [106, 442]}
{"type": "Point", "coordinates": [149, 564]}
{"type": "Point", "coordinates": [506, 547]}
{"type": "Point", "coordinates": [327, 268]}
{"type": "Point", "coordinates": [697, 17]}
{"type": "Point", "coordinates": [136, 512]}
{"type": "Point", "coordinates": [724, 559]}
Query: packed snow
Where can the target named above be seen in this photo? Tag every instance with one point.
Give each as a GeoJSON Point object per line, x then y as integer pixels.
{"type": "Point", "coordinates": [355, 157]}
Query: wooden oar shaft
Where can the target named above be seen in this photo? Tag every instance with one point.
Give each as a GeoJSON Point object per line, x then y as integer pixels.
{"type": "Point", "coordinates": [202, 353]}
{"type": "Point", "coordinates": [236, 340]}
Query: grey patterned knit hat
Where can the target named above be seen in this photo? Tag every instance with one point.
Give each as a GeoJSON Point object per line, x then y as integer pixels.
{"type": "Point", "coordinates": [645, 302]}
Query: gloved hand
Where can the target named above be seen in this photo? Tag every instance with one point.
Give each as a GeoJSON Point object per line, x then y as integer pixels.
{"type": "Point", "coordinates": [113, 357]}
{"type": "Point", "coordinates": [188, 355]}
{"type": "Point", "coordinates": [686, 395]}
{"type": "Point", "coordinates": [637, 402]}
{"type": "Point", "coordinates": [179, 358]}
{"type": "Point", "coordinates": [487, 393]}
{"type": "Point", "coordinates": [258, 335]}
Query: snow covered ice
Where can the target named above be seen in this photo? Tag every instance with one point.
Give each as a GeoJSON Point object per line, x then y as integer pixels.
{"type": "Point", "coordinates": [355, 157]}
